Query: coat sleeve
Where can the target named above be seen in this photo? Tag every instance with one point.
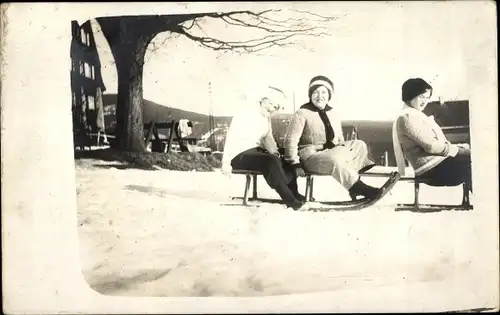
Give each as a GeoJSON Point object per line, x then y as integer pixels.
{"type": "Point", "coordinates": [268, 142]}
{"type": "Point", "coordinates": [417, 130]}
{"type": "Point", "coordinates": [233, 136]}
{"type": "Point", "coordinates": [292, 138]}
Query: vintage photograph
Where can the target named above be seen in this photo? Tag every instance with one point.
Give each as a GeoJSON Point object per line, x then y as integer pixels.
{"type": "Point", "coordinates": [201, 138]}
{"type": "Point", "coordinates": [260, 151]}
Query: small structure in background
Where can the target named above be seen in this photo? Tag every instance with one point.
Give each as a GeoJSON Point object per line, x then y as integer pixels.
{"type": "Point", "coordinates": [384, 158]}
{"type": "Point", "coordinates": [211, 121]}
{"type": "Point", "coordinates": [165, 142]}
{"type": "Point", "coordinates": [87, 87]}
{"type": "Point", "coordinates": [441, 101]}
{"type": "Point", "coordinates": [354, 134]}
{"type": "Point", "coordinates": [181, 129]}
{"type": "Point", "coordinates": [350, 135]}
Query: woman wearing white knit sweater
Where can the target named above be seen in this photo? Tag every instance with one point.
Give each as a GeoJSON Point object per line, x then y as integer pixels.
{"type": "Point", "coordinates": [250, 145]}
{"type": "Point", "coordinates": [419, 139]}
{"type": "Point", "coordinates": [315, 143]}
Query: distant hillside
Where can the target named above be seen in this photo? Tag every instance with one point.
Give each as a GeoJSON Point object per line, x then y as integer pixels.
{"type": "Point", "coordinates": [451, 113]}
{"type": "Point", "coordinates": [154, 111]}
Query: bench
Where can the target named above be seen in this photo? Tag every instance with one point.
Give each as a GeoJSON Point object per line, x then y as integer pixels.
{"type": "Point", "coordinates": [165, 145]}
{"type": "Point", "coordinates": [249, 174]}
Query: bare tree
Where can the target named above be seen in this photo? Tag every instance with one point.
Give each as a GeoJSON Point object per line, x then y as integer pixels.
{"type": "Point", "coordinates": [129, 37]}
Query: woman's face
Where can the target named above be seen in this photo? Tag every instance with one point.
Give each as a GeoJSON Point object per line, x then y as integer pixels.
{"type": "Point", "coordinates": [420, 101]}
{"type": "Point", "coordinates": [320, 97]}
{"type": "Point", "coordinates": [269, 106]}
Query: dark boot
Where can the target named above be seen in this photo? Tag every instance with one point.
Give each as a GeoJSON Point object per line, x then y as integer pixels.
{"type": "Point", "coordinates": [294, 189]}
{"type": "Point", "coordinates": [361, 189]}
{"type": "Point", "coordinates": [300, 197]}
{"type": "Point", "coordinates": [296, 205]}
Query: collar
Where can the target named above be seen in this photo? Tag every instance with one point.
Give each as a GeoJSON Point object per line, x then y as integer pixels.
{"type": "Point", "coordinates": [310, 106]}
{"type": "Point", "coordinates": [409, 109]}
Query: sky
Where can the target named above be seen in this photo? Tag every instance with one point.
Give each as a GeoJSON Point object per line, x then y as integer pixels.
{"type": "Point", "coordinates": [372, 50]}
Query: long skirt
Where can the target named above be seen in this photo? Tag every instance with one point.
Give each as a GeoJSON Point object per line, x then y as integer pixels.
{"type": "Point", "coordinates": [343, 162]}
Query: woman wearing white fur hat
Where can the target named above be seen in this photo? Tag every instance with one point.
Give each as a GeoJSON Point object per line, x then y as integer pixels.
{"type": "Point", "coordinates": [315, 143]}
{"type": "Point", "coordinates": [250, 145]}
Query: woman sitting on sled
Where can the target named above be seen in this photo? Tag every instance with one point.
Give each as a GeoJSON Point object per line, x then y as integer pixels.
{"type": "Point", "coordinates": [419, 139]}
{"type": "Point", "coordinates": [250, 146]}
{"type": "Point", "coordinates": [315, 143]}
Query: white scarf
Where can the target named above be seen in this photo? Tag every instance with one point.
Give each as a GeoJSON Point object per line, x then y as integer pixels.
{"type": "Point", "coordinates": [398, 151]}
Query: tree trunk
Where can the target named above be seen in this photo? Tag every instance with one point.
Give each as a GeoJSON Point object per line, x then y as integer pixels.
{"type": "Point", "coordinates": [129, 58]}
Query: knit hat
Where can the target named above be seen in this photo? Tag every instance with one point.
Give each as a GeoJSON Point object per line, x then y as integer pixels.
{"type": "Point", "coordinates": [318, 81]}
{"type": "Point", "coordinates": [414, 87]}
{"type": "Point", "coordinates": [274, 94]}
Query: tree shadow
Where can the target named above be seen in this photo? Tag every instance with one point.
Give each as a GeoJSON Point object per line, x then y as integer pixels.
{"type": "Point", "coordinates": [111, 284]}
{"type": "Point", "coordinates": [128, 159]}
{"type": "Point", "coordinates": [148, 190]}
{"type": "Point", "coordinates": [124, 167]}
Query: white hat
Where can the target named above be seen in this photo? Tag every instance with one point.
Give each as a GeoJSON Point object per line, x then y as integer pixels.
{"type": "Point", "coordinates": [274, 94]}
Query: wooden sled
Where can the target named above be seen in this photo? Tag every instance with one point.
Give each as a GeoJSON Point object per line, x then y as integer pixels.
{"type": "Point", "coordinates": [416, 206]}
{"type": "Point", "coordinates": [326, 206]}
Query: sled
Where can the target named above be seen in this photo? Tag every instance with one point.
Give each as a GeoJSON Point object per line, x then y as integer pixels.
{"type": "Point", "coordinates": [323, 206]}
{"type": "Point", "coordinates": [251, 177]}
{"type": "Point", "coordinates": [416, 206]}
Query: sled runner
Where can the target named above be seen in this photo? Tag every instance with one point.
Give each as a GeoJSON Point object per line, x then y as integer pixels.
{"type": "Point", "coordinates": [416, 206]}
{"type": "Point", "coordinates": [361, 203]}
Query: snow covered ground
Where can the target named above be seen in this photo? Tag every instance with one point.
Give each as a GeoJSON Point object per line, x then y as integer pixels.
{"type": "Point", "coordinates": [168, 233]}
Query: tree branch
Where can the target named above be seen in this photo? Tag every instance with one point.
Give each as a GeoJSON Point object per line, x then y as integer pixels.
{"type": "Point", "coordinates": [276, 32]}
{"type": "Point", "coordinates": [269, 27]}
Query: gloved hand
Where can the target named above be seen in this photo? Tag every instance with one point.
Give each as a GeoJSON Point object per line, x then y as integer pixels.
{"type": "Point", "coordinates": [464, 145]}
{"type": "Point", "coordinates": [463, 150]}
{"type": "Point", "coordinates": [298, 170]}
{"type": "Point", "coordinates": [277, 154]}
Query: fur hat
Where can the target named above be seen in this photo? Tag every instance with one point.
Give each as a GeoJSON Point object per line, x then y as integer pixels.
{"type": "Point", "coordinates": [414, 87]}
{"type": "Point", "coordinates": [318, 81]}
